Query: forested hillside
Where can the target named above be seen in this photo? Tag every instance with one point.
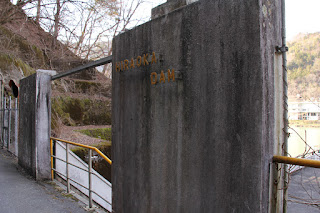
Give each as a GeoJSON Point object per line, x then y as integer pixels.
{"type": "Point", "coordinates": [304, 67]}
{"type": "Point", "coordinates": [80, 99]}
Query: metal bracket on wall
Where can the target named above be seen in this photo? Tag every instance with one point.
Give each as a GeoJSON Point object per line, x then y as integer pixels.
{"type": "Point", "coordinates": [282, 49]}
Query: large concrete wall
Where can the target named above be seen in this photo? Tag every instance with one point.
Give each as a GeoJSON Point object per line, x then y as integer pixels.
{"type": "Point", "coordinates": [201, 143]}
{"type": "Point", "coordinates": [27, 124]}
{"type": "Point", "coordinates": [34, 124]}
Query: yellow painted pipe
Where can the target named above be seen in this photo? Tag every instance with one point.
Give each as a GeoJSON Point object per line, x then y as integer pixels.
{"type": "Point", "coordinates": [85, 146]}
{"type": "Point", "coordinates": [102, 155]}
{"type": "Point", "coordinates": [297, 161]}
{"type": "Point", "coordinates": [51, 153]}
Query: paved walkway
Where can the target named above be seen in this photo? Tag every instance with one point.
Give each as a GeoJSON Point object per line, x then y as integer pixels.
{"type": "Point", "coordinates": [304, 191]}
{"type": "Point", "coordinates": [19, 193]}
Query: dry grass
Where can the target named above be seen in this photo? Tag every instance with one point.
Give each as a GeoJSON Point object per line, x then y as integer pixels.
{"type": "Point", "coordinates": [69, 133]}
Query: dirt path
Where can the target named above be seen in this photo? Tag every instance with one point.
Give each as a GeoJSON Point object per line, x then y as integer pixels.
{"type": "Point", "coordinates": [69, 133]}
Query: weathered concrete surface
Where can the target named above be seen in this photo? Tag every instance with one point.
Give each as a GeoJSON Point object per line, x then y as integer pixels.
{"type": "Point", "coordinates": [34, 125]}
{"type": "Point", "coordinates": [27, 147]}
{"type": "Point", "coordinates": [168, 7]}
{"type": "Point", "coordinates": [20, 193]}
{"type": "Point", "coordinates": [204, 142]}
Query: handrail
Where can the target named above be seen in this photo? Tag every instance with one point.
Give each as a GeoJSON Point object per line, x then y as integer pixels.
{"type": "Point", "coordinates": [83, 187]}
{"type": "Point", "coordinates": [89, 166]}
{"type": "Point", "coordinates": [92, 64]}
{"type": "Point", "coordinates": [85, 146]}
{"type": "Point", "coordinates": [296, 161]}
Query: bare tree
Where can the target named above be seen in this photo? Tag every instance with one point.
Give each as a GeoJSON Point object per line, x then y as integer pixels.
{"type": "Point", "coordinates": [100, 23]}
{"type": "Point", "coordinates": [56, 22]}
{"type": "Point", "coordinates": [38, 11]}
{"type": "Point", "coordinates": [85, 26]}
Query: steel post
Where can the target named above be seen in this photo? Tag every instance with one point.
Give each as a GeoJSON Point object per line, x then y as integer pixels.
{"type": "Point", "coordinates": [51, 153]}
{"type": "Point", "coordinates": [4, 123]}
{"type": "Point", "coordinates": [1, 107]}
{"type": "Point", "coordinates": [16, 114]}
{"type": "Point", "coordinates": [9, 124]}
{"type": "Point", "coordinates": [67, 168]}
{"type": "Point", "coordinates": [90, 181]}
{"type": "Point", "coordinates": [273, 187]}
{"type": "Point", "coordinates": [285, 107]}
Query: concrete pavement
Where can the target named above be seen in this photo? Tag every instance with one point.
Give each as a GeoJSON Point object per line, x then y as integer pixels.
{"type": "Point", "coordinates": [19, 193]}
{"type": "Point", "coordinates": [304, 191]}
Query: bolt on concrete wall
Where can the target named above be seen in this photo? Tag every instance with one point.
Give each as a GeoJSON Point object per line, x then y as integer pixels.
{"type": "Point", "coordinates": [201, 142]}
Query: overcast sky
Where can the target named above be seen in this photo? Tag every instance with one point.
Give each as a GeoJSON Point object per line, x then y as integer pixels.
{"type": "Point", "coordinates": [302, 16]}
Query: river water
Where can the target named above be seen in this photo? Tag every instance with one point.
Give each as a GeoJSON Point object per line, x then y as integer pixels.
{"type": "Point", "coordinates": [296, 146]}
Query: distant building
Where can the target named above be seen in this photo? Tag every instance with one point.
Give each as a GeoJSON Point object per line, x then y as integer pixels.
{"type": "Point", "coordinates": [304, 111]}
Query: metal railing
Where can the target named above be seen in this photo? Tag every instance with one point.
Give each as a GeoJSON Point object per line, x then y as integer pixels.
{"type": "Point", "coordinates": [81, 68]}
{"type": "Point", "coordinates": [9, 124]}
{"type": "Point", "coordinates": [277, 184]}
{"type": "Point", "coordinates": [296, 161]}
{"type": "Point", "coordinates": [68, 163]}
{"type": "Point", "coordinates": [8, 120]}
